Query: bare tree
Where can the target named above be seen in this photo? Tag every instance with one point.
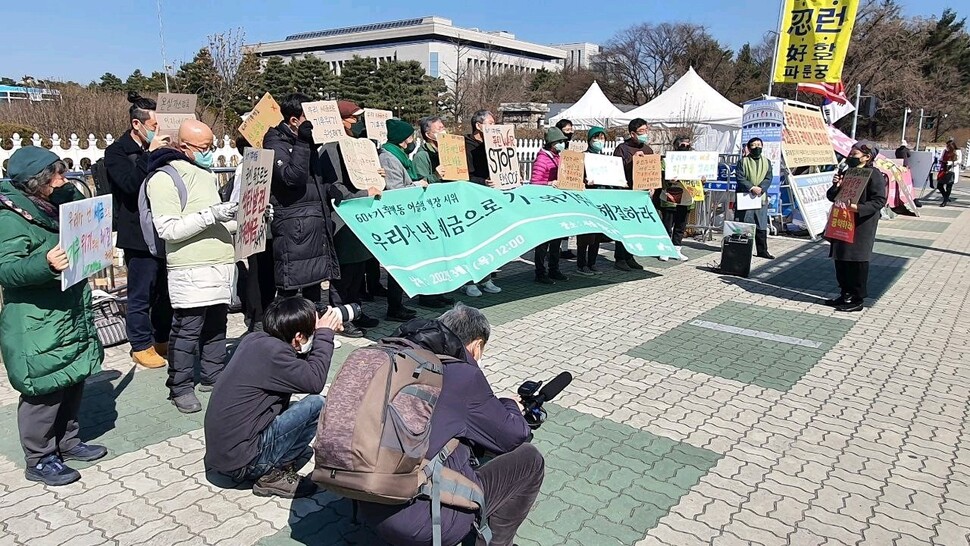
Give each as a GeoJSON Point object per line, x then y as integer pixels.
{"type": "Point", "coordinates": [456, 78]}
{"type": "Point", "coordinates": [237, 72]}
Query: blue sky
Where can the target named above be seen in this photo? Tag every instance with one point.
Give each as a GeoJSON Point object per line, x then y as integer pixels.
{"type": "Point", "coordinates": [70, 41]}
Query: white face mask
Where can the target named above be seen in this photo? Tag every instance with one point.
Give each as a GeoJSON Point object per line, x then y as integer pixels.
{"type": "Point", "coordinates": [306, 346]}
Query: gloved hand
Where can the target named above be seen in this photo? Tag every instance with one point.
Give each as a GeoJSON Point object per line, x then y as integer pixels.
{"type": "Point", "coordinates": [333, 192]}
{"type": "Point", "coordinates": [224, 212]}
{"type": "Point", "coordinates": [305, 132]}
{"type": "Point", "coordinates": [268, 214]}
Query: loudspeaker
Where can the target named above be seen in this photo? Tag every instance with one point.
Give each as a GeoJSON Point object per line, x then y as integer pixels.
{"type": "Point", "coordinates": [736, 253]}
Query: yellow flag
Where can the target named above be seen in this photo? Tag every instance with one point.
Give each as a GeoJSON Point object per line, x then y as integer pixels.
{"type": "Point", "coordinates": [813, 40]}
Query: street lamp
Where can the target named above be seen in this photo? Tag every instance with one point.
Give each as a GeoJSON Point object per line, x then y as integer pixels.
{"type": "Point", "coordinates": [936, 137]}
{"type": "Point", "coordinates": [906, 113]}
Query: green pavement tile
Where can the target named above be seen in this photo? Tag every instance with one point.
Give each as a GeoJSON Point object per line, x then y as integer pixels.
{"type": "Point", "coordinates": [915, 224]}
{"type": "Point", "coordinates": [934, 212]}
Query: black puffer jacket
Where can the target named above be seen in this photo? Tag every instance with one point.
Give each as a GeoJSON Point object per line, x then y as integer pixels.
{"type": "Point", "coordinates": [302, 226]}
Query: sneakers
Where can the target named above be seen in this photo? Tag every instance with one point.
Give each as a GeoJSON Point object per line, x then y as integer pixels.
{"type": "Point", "coordinates": [162, 348]}
{"type": "Point", "coordinates": [490, 287]}
{"type": "Point", "coordinates": [403, 314]}
{"type": "Point", "coordinates": [472, 291]}
{"type": "Point", "coordinates": [585, 271]}
{"type": "Point", "coordinates": [633, 264]}
{"type": "Point", "coordinates": [285, 483]}
{"type": "Point", "coordinates": [681, 256]}
{"type": "Point", "coordinates": [350, 330]}
{"type": "Point", "coordinates": [558, 276]}
{"type": "Point", "coordinates": [851, 305]}
{"type": "Point", "coordinates": [84, 452]}
{"type": "Point", "coordinates": [836, 302]}
{"type": "Point", "coordinates": [148, 358]}
{"type": "Point", "coordinates": [51, 471]}
{"type": "Point", "coordinates": [363, 321]}
{"type": "Point", "coordinates": [663, 258]}
{"type": "Point", "coordinates": [187, 403]}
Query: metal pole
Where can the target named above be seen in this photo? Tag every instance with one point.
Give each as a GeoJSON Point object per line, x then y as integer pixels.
{"type": "Point", "coordinates": [855, 118]}
{"type": "Point", "coordinates": [905, 121]}
{"type": "Point", "coordinates": [774, 58]}
{"type": "Point", "coordinates": [161, 38]}
{"type": "Point", "coordinates": [919, 132]}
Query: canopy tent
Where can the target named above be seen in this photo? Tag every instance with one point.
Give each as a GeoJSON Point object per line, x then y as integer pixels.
{"type": "Point", "coordinates": [690, 101]}
{"type": "Point", "coordinates": [594, 109]}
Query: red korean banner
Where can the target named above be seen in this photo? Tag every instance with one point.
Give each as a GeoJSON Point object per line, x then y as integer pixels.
{"type": "Point", "coordinates": [841, 225]}
{"type": "Point", "coordinates": [813, 40]}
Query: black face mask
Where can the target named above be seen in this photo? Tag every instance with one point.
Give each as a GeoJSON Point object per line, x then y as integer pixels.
{"type": "Point", "coordinates": [755, 153]}
{"type": "Point", "coordinates": [568, 135]}
{"type": "Point", "coordinates": [853, 162]}
{"type": "Point", "coordinates": [683, 147]}
{"type": "Point", "coordinates": [63, 194]}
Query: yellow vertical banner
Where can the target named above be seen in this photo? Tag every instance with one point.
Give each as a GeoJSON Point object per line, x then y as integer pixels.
{"type": "Point", "coordinates": [813, 40]}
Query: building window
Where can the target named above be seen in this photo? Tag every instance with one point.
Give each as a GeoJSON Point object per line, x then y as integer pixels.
{"type": "Point", "coordinates": [433, 64]}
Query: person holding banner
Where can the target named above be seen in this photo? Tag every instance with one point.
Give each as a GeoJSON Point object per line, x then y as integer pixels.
{"type": "Point", "coordinates": [637, 144]}
{"type": "Point", "coordinates": [676, 202]}
{"type": "Point", "coordinates": [427, 163]}
{"type": "Point", "coordinates": [477, 160]}
{"type": "Point", "coordinates": [588, 244]}
{"type": "Point", "coordinates": [566, 126]}
{"type": "Point", "coordinates": [545, 172]}
{"type": "Point", "coordinates": [754, 176]}
{"type": "Point", "coordinates": [48, 340]}
{"type": "Point", "coordinates": [852, 259]}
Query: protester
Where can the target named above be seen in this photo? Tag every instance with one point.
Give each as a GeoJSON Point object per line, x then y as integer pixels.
{"type": "Point", "coordinates": [48, 340]}
{"type": "Point", "coordinates": [754, 176]}
{"type": "Point", "coordinates": [200, 257]}
{"type": "Point", "coordinates": [636, 145]}
{"type": "Point", "coordinates": [467, 409]}
{"type": "Point", "coordinates": [545, 171]}
{"type": "Point", "coordinates": [399, 173]}
{"type": "Point", "coordinates": [149, 312]}
{"type": "Point", "coordinates": [852, 259]}
{"type": "Point", "coordinates": [252, 432]}
{"type": "Point", "coordinates": [566, 127]}
{"type": "Point", "coordinates": [427, 163]}
{"type": "Point", "coordinates": [676, 203]}
{"type": "Point", "coordinates": [904, 153]}
{"type": "Point", "coordinates": [949, 167]}
{"type": "Point", "coordinates": [371, 288]}
{"type": "Point", "coordinates": [478, 173]}
{"type": "Point", "coordinates": [304, 250]}
{"type": "Point", "coordinates": [588, 244]}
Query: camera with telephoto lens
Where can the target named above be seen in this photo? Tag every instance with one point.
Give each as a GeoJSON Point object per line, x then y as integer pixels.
{"type": "Point", "coordinates": [532, 397]}
{"type": "Point", "coordinates": [348, 312]}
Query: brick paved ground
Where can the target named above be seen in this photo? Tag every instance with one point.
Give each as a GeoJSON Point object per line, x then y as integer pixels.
{"type": "Point", "coordinates": [678, 429]}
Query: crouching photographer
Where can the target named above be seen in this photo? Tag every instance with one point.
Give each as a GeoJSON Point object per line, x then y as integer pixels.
{"type": "Point", "coordinates": [437, 405]}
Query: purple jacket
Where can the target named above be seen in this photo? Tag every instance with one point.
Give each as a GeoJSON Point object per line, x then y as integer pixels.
{"type": "Point", "coordinates": [546, 168]}
{"type": "Point", "coordinates": [466, 409]}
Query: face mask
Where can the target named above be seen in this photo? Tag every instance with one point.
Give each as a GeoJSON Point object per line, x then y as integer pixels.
{"type": "Point", "coordinates": [596, 146]}
{"type": "Point", "coordinates": [853, 162]}
{"type": "Point", "coordinates": [306, 346]}
{"type": "Point", "coordinates": [559, 146]}
{"type": "Point", "coordinates": [569, 135]}
{"type": "Point", "coordinates": [683, 148]}
{"type": "Point", "coordinates": [409, 148]}
{"type": "Point", "coordinates": [203, 159]}
{"type": "Point", "coordinates": [149, 135]}
{"type": "Point", "coordinates": [61, 195]}
{"type": "Point", "coordinates": [756, 152]}
{"type": "Point", "coordinates": [437, 136]}
{"type": "Point", "coordinates": [643, 138]}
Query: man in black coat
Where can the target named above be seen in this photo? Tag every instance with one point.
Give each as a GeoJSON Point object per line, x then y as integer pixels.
{"type": "Point", "coordinates": [302, 226]}
{"type": "Point", "coordinates": [149, 318]}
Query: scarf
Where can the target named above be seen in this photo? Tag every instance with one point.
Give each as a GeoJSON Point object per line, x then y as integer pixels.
{"type": "Point", "coordinates": [45, 206]}
{"type": "Point", "coordinates": [755, 169]}
{"type": "Point", "coordinates": [401, 156]}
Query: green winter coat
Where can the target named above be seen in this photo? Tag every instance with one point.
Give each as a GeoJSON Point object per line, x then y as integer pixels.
{"type": "Point", "coordinates": [47, 337]}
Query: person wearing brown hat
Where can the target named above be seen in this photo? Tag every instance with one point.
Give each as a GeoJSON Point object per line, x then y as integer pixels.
{"type": "Point", "coordinates": [350, 113]}
{"type": "Point", "coordinates": [48, 341]}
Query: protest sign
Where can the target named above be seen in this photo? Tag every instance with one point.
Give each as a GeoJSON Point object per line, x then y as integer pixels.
{"type": "Point", "coordinates": [853, 184]}
{"type": "Point", "coordinates": [841, 225]}
{"type": "Point", "coordinates": [265, 115]}
{"type": "Point", "coordinates": [695, 188]}
{"type": "Point", "coordinates": [435, 240]}
{"type": "Point", "coordinates": [571, 171]}
{"type": "Point", "coordinates": [257, 174]}
{"type": "Point", "coordinates": [451, 152]}
{"type": "Point", "coordinates": [810, 191]}
{"type": "Point", "coordinates": [376, 123]}
{"type": "Point", "coordinates": [900, 182]}
{"type": "Point", "coordinates": [168, 124]}
{"type": "Point", "coordinates": [605, 170]}
{"type": "Point", "coordinates": [690, 165]}
{"type": "Point", "coordinates": [647, 172]}
{"type": "Point", "coordinates": [325, 117]}
{"type": "Point", "coordinates": [764, 119]}
{"type": "Point", "coordinates": [503, 162]}
{"type": "Point", "coordinates": [805, 138]}
{"type": "Point", "coordinates": [813, 40]}
{"type": "Point", "coordinates": [363, 165]}
{"type": "Point", "coordinates": [85, 236]}
{"type": "Point", "coordinates": [176, 103]}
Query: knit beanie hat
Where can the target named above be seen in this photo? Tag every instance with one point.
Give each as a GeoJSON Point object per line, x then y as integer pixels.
{"type": "Point", "coordinates": [594, 131]}
{"type": "Point", "coordinates": [29, 161]}
{"type": "Point", "coordinates": [398, 131]}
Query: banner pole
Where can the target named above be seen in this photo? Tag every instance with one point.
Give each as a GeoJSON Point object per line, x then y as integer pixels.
{"type": "Point", "coordinates": [919, 132]}
{"type": "Point", "coordinates": [855, 118]}
{"type": "Point", "coordinates": [774, 58]}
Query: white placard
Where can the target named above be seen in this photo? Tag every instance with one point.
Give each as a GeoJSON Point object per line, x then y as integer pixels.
{"type": "Point", "coordinates": [748, 201]}
{"type": "Point", "coordinates": [810, 195]}
{"type": "Point", "coordinates": [690, 165]}
{"type": "Point", "coordinates": [85, 236]}
{"type": "Point", "coordinates": [257, 175]}
{"type": "Point", "coordinates": [605, 170]}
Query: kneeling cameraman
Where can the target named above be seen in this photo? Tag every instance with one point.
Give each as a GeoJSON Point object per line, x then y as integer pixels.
{"type": "Point", "coordinates": [251, 430]}
{"type": "Point", "coordinates": [467, 409]}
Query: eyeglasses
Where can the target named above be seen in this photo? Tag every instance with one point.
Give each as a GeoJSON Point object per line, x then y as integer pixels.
{"type": "Point", "coordinates": [209, 148]}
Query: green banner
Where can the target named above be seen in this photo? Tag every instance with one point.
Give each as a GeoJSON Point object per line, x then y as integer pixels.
{"type": "Point", "coordinates": [437, 239]}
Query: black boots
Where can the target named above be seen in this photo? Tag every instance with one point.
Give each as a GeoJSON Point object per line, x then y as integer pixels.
{"type": "Point", "coordinates": [761, 244]}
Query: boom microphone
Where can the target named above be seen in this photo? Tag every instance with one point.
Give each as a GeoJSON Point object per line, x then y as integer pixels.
{"type": "Point", "coordinates": [554, 387]}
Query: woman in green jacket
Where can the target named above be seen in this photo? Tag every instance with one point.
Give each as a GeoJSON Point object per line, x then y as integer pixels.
{"type": "Point", "coordinates": [47, 336]}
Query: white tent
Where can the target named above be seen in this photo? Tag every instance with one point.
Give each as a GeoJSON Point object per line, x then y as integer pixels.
{"type": "Point", "coordinates": [692, 102]}
{"type": "Point", "coordinates": [594, 109]}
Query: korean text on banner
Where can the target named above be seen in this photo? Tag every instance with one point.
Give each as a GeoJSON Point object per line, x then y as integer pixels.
{"type": "Point", "coordinates": [265, 115]}
{"type": "Point", "coordinates": [376, 123]}
{"type": "Point", "coordinates": [805, 139]}
{"type": "Point", "coordinates": [813, 40]}
{"type": "Point", "coordinates": [451, 152]}
{"type": "Point", "coordinates": [168, 124]}
{"type": "Point", "coordinates": [503, 162]}
{"type": "Point", "coordinates": [853, 184]}
{"type": "Point", "coordinates": [841, 225]}
{"type": "Point", "coordinates": [690, 165]}
{"type": "Point", "coordinates": [810, 196]}
{"type": "Point", "coordinates": [363, 165]}
{"type": "Point", "coordinates": [571, 171]}
{"type": "Point", "coordinates": [176, 103]}
{"type": "Point", "coordinates": [435, 240]}
{"type": "Point", "coordinates": [257, 174]}
{"type": "Point", "coordinates": [325, 117]}
{"type": "Point", "coordinates": [85, 236]}
{"type": "Point", "coordinates": [647, 172]}
{"type": "Point", "coordinates": [605, 170]}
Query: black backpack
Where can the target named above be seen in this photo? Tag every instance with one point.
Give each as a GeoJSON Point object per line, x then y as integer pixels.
{"type": "Point", "coordinates": [102, 186]}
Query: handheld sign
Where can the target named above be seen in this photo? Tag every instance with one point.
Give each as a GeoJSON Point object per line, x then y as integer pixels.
{"type": "Point", "coordinates": [325, 117]}
{"type": "Point", "coordinates": [690, 165]}
{"type": "Point", "coordinates": [85, 236]}
{"type": "Point", "coordinates": [168, 124]}
{"type": "Point", "coordinates": [376, 123]}
{"type": "Point", "coordinates": [605, 170]}
{"type": "Point", "coordinates": [451, 151]}
{"type": "Point", "coordinates": [647, 172]}
{"type": "Point", "coordinates": [840, 225]}
{"type": "Point", "coordinates": [853, 184]}
{"type": "Point", "coordinates": [265, 115]}
{"type": "Point", "coordinates": [257, 174]}
{"type": "Point", "coordinates": [176, 103]}
{"type": "Point", "coordinates": [695, 188]}
{"type": "Point", "coordinates": [571, 171]}
{"type": "Point", "coordinates": [503, 162]}
{"type": "Point", "coordinates": [360, 158]}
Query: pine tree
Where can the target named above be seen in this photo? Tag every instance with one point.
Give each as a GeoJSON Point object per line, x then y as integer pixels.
{"type": "Point", "coordinates": [136, 82]}
{"type": "Point", "coordinates": [313, 77]}
{"type": "Point", "coordinates": [200, 77]}
{"type": "Point", "coordinates": [110, 82]}
{"type": "Point", "coordinates": [358, 81]}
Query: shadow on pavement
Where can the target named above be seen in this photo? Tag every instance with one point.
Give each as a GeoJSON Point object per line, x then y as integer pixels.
{"type": "Point", "coordinates": [99, 410]}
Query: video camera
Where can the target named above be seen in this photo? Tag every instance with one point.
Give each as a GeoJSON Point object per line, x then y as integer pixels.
{"type": "Point", "coordinates": [532, 397]}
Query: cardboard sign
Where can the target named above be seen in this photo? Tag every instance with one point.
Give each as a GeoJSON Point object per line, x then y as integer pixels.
{"type": "Point", "coordinates": [690, 165]}
{"type": "Point", "coordinates": [168, 124]}
{"type": "Point", "coordinates": [572, 171]}
{"type": "Point", "coordinates": [605, 170]}
{"type": "Point", "coordinates": [265, 115]}
{"type": "Point", "coordinates": [805, 138]}
{"type": "Point", "coordinates": [257, 174]}
{"type": "Point", "coordinates": [853, 184]}
{"type": "Point", "coordinates": [451, 153]}
{"type": "Point", "coordinates": [325, 117]}
{"type": "Point", "coordinates": [85, 236]}
{"type": "Point", "coordinates": [176, 103]}
{"type": "Point", "coordinates": [647, 172]}
{"type": "Point", "coordinates": [376, 123]}
{"type": "Point", "coordinates": [841, 225]}
{"type": "Point", "coordinates": [363, 165]}
{"type": "Point", "coordinates": [503, 161]}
